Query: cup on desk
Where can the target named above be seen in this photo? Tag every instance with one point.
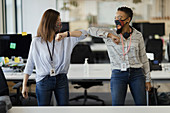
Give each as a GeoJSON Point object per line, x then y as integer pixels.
{"type": "Point", "coordinates": [12, 58]}
{"type": "Point", "coordinates": [1, 61]}
{"type": "Point", "coordinates": [20, 59]}
{"type": "Point", "coordinates": [6, 60]}
{"type": "Point", "coordinates": [16, 60]}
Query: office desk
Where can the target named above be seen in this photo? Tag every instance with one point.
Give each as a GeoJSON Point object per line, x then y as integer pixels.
{"type": "Point", "coordinates": [11, 75]}
{"type": "Point", "coordinates": [92, 109]}
{"type": "Point", "coordinates": [98, 47]}
{"type": "Point", "coordinates": [96, 71]}
{"type": "Point", "coordinates": [103, 72]}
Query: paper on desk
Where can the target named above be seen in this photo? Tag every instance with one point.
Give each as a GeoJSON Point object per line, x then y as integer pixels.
{"type": "Point", "coordinates": [150, 56]}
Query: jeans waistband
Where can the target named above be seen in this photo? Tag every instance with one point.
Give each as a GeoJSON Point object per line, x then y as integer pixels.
{"type": "Point", "coordinates": [58, 75]}
{"type": "Point", "coordinates": [128, 69]}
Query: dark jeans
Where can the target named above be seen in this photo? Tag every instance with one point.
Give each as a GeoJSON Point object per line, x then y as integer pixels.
{"type": "Point", "coordinates": [119, 82]}
{"type": "Point", "coordinates": [58, 84]}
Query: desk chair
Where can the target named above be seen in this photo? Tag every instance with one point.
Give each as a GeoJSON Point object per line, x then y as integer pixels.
{"type": "Point", "coordinates": [17, 98]}
{"type": "Point", "coordinates": [168, 51]}
{"type": "Point", "coordinates": [18, 95]}
{"type": "Point", "coordinates": [4, 88]}
{"type": "Point", "coordinates": [155, 46]}
{"type": "Point", "coordinates": [80, 52]}
{"type": "Point", "coordinates": [5, 102]}
{"type": "Point", "coordinates": [86, 85]}
{"type": "Point", "coordinates": [97, 40]}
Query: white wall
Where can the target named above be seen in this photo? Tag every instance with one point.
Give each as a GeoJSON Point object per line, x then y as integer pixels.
{"type": "Point", "coordinates": [32, 13]}
{"type": "Point", "coordinates": [64, 14]}
{"type": "Point", "coordinates": [1, 22]}
{"type": "Point", "coordinates": [85, 8]}
{"type": "Point", "coordinates": [107, 10]}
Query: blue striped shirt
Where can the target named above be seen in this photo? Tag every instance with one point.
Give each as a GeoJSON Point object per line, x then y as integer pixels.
{"type": "Point", "coordinates": [40, 58]}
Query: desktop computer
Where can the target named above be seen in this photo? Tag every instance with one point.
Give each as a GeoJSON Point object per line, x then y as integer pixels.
{"type": "Point", "coordinates": [15, 45]}
{"type": "Point", "coordinates": [65, 27]}
{"type": "Point", "coordinates": [150, 29]}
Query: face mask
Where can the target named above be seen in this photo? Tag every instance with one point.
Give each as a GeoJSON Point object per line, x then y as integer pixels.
{"type": "Point", "coordinates": [121, 23]}
{"type": "Point", "coordinates": [58, 26]}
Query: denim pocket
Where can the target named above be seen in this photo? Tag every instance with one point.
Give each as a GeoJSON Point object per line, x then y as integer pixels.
{"type": "Point", "coordinates": [137, 72]}
{"type": "Point", "coordinates": [43, 80]}
{"type": "Point", "coordinates": [116, 72]}
{"type": "Point", "coordinates": [62, 80]}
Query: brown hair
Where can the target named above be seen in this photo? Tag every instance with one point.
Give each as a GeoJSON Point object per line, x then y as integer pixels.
{"type": "Point", "coordinates": [47, 26]}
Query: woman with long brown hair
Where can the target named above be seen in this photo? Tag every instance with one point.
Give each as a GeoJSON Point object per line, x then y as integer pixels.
{"type": "Point", "coordinates": [50, 54]}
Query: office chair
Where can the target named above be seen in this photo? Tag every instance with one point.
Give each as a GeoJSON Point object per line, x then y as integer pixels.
{"type": "Point", "coordinates": [17, 98]}
{"type": "Point", "coordinates": [97, 40]}
{"type": "Point", "coordinates": [5, 102]}
{"type": "Point", "coordinates": [5, 91]}
{"type": "Point", "coordinates": [86, 85]}
{"type": "Point", "coordinates": [80, 52]}
{"type": "Point", "coordinates": [168, 51]}
{"type": "Point", "coordinates": [2, 107]}
{"type": "Point", "coordinates": [155, 46]}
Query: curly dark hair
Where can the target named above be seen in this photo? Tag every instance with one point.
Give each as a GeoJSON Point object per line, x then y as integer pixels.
{"type": "Point", "coordinates": [127, 10]}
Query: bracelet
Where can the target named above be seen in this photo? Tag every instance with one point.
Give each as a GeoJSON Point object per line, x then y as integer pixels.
{"type": "Point", "coordinates": [68, 34]}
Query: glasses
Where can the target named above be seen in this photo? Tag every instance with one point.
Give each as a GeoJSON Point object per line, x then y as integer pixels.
{"type": "Point", "coordinates": [120, 18]}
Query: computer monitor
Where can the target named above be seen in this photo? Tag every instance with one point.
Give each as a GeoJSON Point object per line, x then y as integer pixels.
{"type": "Point", "coordinates": [150, 29]}
{"type": "Point", "coordinates": [15, 45]}
{"type": "Point", "coordinates": [65, 27]}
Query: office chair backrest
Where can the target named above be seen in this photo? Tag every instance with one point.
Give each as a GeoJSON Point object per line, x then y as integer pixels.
{"type": "Point", "coordinates": [97, 40]}
{"type": "Point", "coordinates": [155, 46]}
{"type": "Point", "coordinates": [3, 84]}
{"type": "Point", "coordinates": [80, 52]}
{"type": "Point", "coordinates": [168, 51]}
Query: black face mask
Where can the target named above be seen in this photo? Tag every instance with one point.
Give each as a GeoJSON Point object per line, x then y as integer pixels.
{"type": "Point", "coordinates": [121, 23]}
{"type": "Point", "coordinates": [118, 31]}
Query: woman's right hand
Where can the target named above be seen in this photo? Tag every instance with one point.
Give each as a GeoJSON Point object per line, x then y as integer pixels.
{"type": "Point", "coordinates": [115, 38]}
{"type": "Point", "coordinates": [25, 92]}
{"type": "Point", "coordinates": [61, 36]}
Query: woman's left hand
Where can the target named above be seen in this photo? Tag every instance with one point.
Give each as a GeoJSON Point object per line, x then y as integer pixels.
{"type": "Point", "coordinates": [148, 86]}
{"type": "Point", "coordinates": [61, 36]}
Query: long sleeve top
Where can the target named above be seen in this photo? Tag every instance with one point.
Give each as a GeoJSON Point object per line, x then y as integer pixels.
{"type": "Point", "coordinates": [40, 58]}
{"type": "Point", "coordinates": [135, 58]}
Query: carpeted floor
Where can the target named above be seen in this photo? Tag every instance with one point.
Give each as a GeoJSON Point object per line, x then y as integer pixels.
{"type": "Point", "coordinates": [104, 96]}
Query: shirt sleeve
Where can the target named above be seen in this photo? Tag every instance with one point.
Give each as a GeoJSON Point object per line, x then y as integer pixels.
{"type": "Point", "coordinates": [75, 40]}
{"type": "Point", "coordinates": [30, 62]}
{"type": "Point", "coordinates": [99, 32]}
{"type": "Point", "coordinates": [144, 59]}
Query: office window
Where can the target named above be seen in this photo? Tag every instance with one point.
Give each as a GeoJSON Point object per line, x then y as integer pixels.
{"type": "Point", "coordinates": [19, 15]}
{"type": "Point", "coordinates": [1, 18]}
{"type": "Point", "coordinates": [10, 14]}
